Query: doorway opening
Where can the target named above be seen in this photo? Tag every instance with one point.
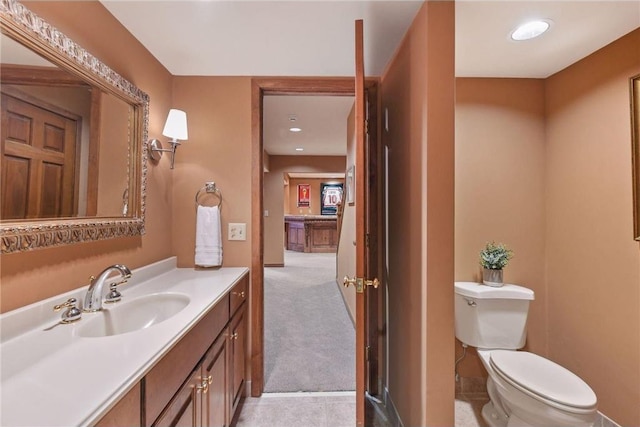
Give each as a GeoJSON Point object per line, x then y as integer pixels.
{"type": "Point", "coordinates": [373, 323]}
{"type": "Point", "coordinates": [309, 337]}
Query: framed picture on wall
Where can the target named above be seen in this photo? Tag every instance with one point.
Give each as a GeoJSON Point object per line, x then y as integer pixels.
{"type": "Point", "coordinates": [330, 198]}
{"type": "Point", "coordinates": [350, 185]}
{"type": "Point", "coordinates": [304, 195]}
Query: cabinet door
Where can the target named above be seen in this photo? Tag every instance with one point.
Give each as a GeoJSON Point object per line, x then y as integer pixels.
{"type": "Point", "coordinates": [125, 413]}
{"type": "Point", "coordinates": [184, 410]}
{"type": "Point", "coordinates": [171, 371]}
{"type": "Point", "coordinates": [214, 366]}
{"type": "Point", "coordinates": [238, 339]}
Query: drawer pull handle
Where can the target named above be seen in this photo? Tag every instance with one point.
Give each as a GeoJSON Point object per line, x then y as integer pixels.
{"type": "Point", "coordinates": [234, 336]}
{"type": "Point", "coordinates": [240, 294]}
{"type": "Point", "coordinates": [209, 379]}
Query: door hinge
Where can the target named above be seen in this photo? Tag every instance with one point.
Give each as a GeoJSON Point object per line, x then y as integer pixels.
{"type": "Point", "coordinates": [368, 353]}
{"type": "Point", "coordinates": [366, 127]}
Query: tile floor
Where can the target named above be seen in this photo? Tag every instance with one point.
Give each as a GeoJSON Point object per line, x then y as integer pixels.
{"type": "Point", "coordinates": [333, 410]}
{"type": "Point", "coordinates": [468, 409]}
{"type": "Point", "coordinates": [336, 409]}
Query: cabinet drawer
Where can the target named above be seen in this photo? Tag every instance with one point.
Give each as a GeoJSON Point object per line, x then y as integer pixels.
{"type": "Point", "coordinates": [172, 370]}
{"type": "Point", "coordinates": [239, 293]}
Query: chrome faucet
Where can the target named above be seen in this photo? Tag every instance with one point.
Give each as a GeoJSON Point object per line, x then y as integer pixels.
{"type": "Point", "coordinates": [93, 298]}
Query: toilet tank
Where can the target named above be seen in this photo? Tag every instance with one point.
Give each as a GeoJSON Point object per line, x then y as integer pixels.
{"type": "Point", "coordinates": [492, 318]}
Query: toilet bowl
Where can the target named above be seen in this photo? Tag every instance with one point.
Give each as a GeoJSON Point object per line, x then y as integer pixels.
{"type": "Point", "coordinates": [525, 389]}
{"type": "Point", "coordinates": [528, 390]}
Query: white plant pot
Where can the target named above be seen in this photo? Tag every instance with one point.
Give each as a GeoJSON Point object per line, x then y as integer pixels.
{"type": "Point", "coordinates": [492, 277]}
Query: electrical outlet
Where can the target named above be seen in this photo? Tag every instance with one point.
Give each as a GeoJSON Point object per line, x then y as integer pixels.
{"type": "Point", "coordinates": [237, 231]}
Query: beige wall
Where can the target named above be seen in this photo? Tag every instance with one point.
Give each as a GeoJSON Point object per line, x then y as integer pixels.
{"type": "Point", "coordinates": [346, 256]}
{"type": "Point", "coordinates": [559, 152]}
{"type": "Point", "coordinates": [593, 263]}
{"type": "Point", "coordinates": [33, 276]}
{"type": "Point", "coordinates": [499, 190]}
{"type": "Point", "coordinates": [291, 202]}
{"type": "Point", "coordinates": [219, 149]}
{"type": "Point", "coordinates": [274, 196]}
{"type": "Point", "coordinates": [418, 92]}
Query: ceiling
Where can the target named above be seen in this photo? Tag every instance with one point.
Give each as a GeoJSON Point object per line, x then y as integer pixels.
{"type": "Point", "coordinates": [322, 120]}
{"type": "Point", "coordinates": [315, 38]}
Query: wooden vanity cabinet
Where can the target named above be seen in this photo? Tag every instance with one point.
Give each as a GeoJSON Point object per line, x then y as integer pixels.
{"type": "Point", "coordinates": [126, 412]}
{"type": "Point", "coordinates": [186, 406]}
{"type": "Point", "coordinates": [215, 411]}
{"type": "Point", "coordinates": [200, 381]}
{"type": "Point", "coordinates": [237, 356]}
{"type": "Point", "coordinates": [167, 377]}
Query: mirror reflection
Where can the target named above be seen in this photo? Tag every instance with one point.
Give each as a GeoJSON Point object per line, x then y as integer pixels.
{"type": "Point", "coordinates": [65, 142]}
{"type": "Point", "coordinates": [73, 160]}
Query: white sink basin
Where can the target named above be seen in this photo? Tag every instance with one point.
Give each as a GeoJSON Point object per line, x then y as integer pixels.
{"type": "Point", "coordinates": [128, 316]}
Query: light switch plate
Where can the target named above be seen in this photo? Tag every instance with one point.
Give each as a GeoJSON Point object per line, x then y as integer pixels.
{"type": "Point", "coordinates": [237, 231]}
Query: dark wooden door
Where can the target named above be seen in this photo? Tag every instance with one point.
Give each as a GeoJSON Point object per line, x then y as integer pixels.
{"type": "Point", "coordinates": [363, 255]}
{"type": "Point", "coordinates": [38, 161]}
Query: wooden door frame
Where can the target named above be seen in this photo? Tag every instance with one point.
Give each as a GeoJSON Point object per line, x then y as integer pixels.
{"type": "Point", "coordinates": [332, 86]}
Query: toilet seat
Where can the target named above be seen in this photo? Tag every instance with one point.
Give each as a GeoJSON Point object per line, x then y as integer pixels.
{"type": "Point", "coordinates": [544, 380]}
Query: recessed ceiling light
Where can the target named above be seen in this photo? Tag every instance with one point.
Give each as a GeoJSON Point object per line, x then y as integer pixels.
{"type": "Point", "coordinates": [299, 149]}
{"type": "Point", "coordinates": [294, 129]}
{"type": "Point", "coordinates": [530, 30]}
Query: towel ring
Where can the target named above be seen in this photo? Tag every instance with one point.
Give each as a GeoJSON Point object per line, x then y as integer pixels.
{"type": "Point", "coordinates": [209, 188]}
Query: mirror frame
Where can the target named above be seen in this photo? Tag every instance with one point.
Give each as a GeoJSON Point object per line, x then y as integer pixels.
{"type": "Point", "coordinates": [634, 88]}
{"type": "Point", "coordinates": [24, 26]}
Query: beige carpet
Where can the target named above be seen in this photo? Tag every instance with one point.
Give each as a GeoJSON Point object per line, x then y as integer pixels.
{"type": "Point", "coordinates": [309, 337]}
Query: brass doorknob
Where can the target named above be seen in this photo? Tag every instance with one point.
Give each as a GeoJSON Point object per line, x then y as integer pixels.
{"type": "Point", "coordinates": [346, 281]}
{"type": "Point", "coordinates": [359, 283]}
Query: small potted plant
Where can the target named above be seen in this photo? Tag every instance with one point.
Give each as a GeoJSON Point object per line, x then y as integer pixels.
{"type": "Point", "coordinates": [493, 258]}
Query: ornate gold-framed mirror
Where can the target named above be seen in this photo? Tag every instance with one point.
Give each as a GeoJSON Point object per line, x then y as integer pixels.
{"type": "Point", "coordinates": [74, 158]}
{"type": "Point", "coordinates": [634, 88]}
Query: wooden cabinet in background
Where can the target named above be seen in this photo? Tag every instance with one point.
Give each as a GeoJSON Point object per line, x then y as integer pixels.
{"type": "Point", "coordinates": [311, 233]}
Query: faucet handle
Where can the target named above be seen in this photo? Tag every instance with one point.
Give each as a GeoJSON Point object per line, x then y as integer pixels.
{"type": "Point", "coordinates": [72, 312]}
{"type": "Point", "coordinates": [114, 295]}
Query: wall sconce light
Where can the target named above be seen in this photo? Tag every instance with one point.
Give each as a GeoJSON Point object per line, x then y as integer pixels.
{"type": "Point", "coordinates": [175, 128]}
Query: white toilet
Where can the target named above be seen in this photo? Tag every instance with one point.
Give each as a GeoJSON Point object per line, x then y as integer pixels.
{"type": "Point", "coordinates": [525, 389]}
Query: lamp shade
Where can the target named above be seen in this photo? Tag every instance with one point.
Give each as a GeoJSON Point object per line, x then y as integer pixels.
{"type": "Point", "coordinates": [176, 125]}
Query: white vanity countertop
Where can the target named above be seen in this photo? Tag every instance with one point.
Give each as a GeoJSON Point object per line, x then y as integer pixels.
{"type": "Point", "coordinates": [57, 378]}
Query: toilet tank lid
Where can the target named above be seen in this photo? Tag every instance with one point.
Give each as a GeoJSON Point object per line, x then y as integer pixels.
{"type": "Point", "coordinates": [480, 291]}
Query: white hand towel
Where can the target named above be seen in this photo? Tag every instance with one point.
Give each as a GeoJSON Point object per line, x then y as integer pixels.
{"type": "Point", "coordinates": [208, 237]}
